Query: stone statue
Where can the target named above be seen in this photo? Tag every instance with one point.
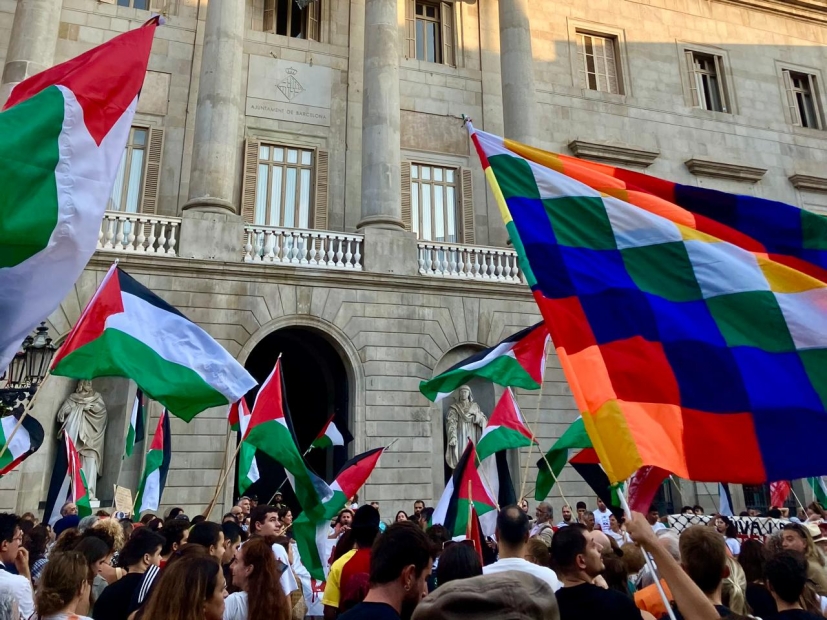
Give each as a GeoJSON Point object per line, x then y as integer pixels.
{"type": "Point", "coordinates": [83, 417]}
{"type": "Point", "coordinates": [465, 419]}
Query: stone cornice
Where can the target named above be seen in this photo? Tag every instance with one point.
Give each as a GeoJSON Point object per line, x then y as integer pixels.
{"type": "Point", "coordinates": [723, 170]}
{"type": "Point", "coordinates": [613, 153]}
{"type": "Point", "coordinates": [810, 10]}
{"type": "Point", "coordinates": [809, 183]}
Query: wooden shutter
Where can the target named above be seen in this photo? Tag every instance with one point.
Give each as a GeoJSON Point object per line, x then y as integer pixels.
{"type": "Point", "coordinates": [410, 29]}
{"type": "Point", "coordinates": [152, 173]}
{"type": "Point", "coordinates": [406, 195]}
{"type": "Point", "coordinates": [248, 185]}
{"type": "Point", "coordinates": [314, 13]}
{"type": "Point", "coordinates": [788, 86]}
{"type": "Point", "coordinates": [446, 13]}
{"type": "Point", "coordinates": [269, 22]}
{"type": "Point", "coordinates": [722, 90]}
{"type": "Point", "coordinates": [816, 100]}
{"type": "Point", "coordinates": [693, 79]}
{"type": "Point", "coordinates": [157, 6]}
{"type": "Point", "coordinates": [320, 204]}
{"type": "Point", "coordinates": [467, 197]}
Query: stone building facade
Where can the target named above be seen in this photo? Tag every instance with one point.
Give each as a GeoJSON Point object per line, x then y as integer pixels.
{"type": "Point", "coordinates": [298, 180]}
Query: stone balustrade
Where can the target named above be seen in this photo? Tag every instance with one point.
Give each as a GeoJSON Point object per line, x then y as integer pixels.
{"type": "Point", "coordinates": [136, 232]}
{"type": "Point", "coordinates": [314, 248]}
{"type": "Point", "coordinates": [463, 261]}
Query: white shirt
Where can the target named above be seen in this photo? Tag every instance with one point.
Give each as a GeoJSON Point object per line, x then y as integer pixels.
{"type": "Point", "coordinates": [658, 526]}
{"type": "Point", "coordinates": [734, 546]}
{"type": "Point", "coordinates": [235, 606]}
{"type": "Point", "coordinates": [621, 537]}
{"type": "Point", "coordinates": [602, 519]}
{"type": "Point", "coordinates": [288, 581]}
{"type": "Point", "coordinates": [20, 588]}
{"type": "Point", "coordinates": [519, 564]}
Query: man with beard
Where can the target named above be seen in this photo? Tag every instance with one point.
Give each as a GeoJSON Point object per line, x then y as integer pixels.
{"type": "Point", "coordinates": [400, 564]}
{"type": "Point", "coordinates": [567, 517]}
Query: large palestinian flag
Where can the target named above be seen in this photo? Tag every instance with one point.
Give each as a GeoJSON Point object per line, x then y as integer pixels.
{"type": "Point", "coordinates": [518, 361]}
{"type": "Point", "coordinates": [62, 135]}
{"type": "Point", "coordinates": [271, 431]}
{"type": "Point", "coordinates": [311, 533]}
{"type": "Point", "coordinates": [25, 442]}
{"type": "Point", "coordinates": [156, 467]}
{"type": "Point", "coordinates": [128, 331]}
{"type": "Point", "coordinates": [80, 489]}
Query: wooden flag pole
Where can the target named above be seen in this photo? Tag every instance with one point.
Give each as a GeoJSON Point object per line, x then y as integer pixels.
{"type": "Point", "coordinates": [470, 509]}
{"type": "Point", "coordinates": [25, 413]}
{"type": "Point", "coordinates": [224, 457]}
{"type": "Point", "coordinates": [536, 420]}
{"type": "Point", "coordinates": [222, 480]}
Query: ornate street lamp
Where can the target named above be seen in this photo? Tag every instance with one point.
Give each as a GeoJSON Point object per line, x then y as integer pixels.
{"type": "Point", "coordinates": [26, 371]}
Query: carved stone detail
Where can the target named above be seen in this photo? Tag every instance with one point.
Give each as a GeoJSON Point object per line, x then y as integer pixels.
{"type": "Point", "coordinates": [722, 170]}
{"type": "Point", "coordinates": [613, 153]}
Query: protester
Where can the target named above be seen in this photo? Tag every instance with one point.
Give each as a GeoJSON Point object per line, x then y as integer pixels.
{"type": "Point", "coordinates": [107, 573]}
{"type": "Point", "coordinates": [542, 528]}
{"type": "Point", "coordinates": [64, 588]}
{"type": "Point", "coordinates": [786, 578]}
{"type": "Point", "coordinates": [601, 516]}
{"type": "Point", "coordinates": [13, 554]}
{"type": "Point", "coordinates": [342, 523]}
{"type": "Point", "coordinates": [264, 521]}
{"type": "Point", "coordinates": [139, 553]}
{"type": "Point", "coordinates": [798, 537]}
{"type": "Point", "coordinates": [286, 519]}
{"type": "Point", "coordinates": [753, 558]}
{"type": "Point", "coordinates": [419, 506]}
{"type": "Point", "coordinates": [704, 558]}
{"type": "Point", "coordinates": [633, 560]}
{"type": "Point", "coordinates": [255, 570]}
{"type": "Point", "coordinates": [581, 511]}
{"type": "Point", "coordinates": [35, 542]}
{"type": "Point", "coordinates": [233, 537]}
{"type": "Point", "coordinates": [127, 528]}
{"type": "Point", "coordinates": [115, 531]}
{"type": "Point", "coordinates": [617, 533]}
{"type": "Point", "coordinates": [524, 506]}
{"type": "Point", "coordinates": [175, 533]}
{"type": "Point", "coordinates": [567, 516]}
{"type": "Point", "coordinates": [814, 512]}
{"type": "Point", "coordinates": [401, 516]}
{"type": "Point", "coordinates": [512, 535]}
{"type": "Point", "coordinates": [653, 517]}
{"type": "Point", "coordinates": [97, 554]}
{"type": "Point", "coordinates": [727, 529]}
{"type": "Point", "coordinates": [399, 567]}
{"type": "Point", "coordinates": [191, 588]}
{"type": "Point", "coordinates": [458, 561]}
{"type": "Point", "coordinates": [440, 537]}
{"type": "Point", "coordinates": [733, 589]}
{"type": "Point", "coordinates": [537, 552]}
{"type": "Point", "coordinates": [698, 510]}
{"type": "Point", "coordinates": [210, 536]}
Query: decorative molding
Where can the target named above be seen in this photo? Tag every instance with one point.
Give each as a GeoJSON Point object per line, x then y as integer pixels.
{"type": "Point", "coordinates": [808, 183]}
{"type": "Point", "coordinates": [809, 10]}
{"type": "Point", "coordinates": [613, 153]}
{"type": "Point", "coordinates": [721, 170]}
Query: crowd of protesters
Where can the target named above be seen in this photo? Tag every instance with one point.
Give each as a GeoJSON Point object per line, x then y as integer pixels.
{"type": "Point", "coordinates": [588, 565]}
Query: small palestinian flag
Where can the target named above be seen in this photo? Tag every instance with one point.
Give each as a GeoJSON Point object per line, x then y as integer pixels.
{"type": "Point", "coordinates": [80, 490]}
{"type": "Point", "coordinates": [819, 489]}
{"type": "Point", "coordinates": [135, 434]}
{"type": "Point", "coordinates": [271, 431]}
{"type": "Point", "coordinates": [248, 472]}
{"type": "Point", "coordinates": [62, 135]}
{"type": "Point", "coordinates": [518, 361]}
{"type": "Point", "coordinates": [574, 438]}
{"type": "Point", "coordinates": [156, 467]}
{"type": "Point", "coordinates": [26, 441]}
{"type": "Point", "coordinates": [128, 331]}
{"type": "Point", "coordinates": [311, 534]}
{"type": "Point", "coordinates": [234, 415]}
{"type": "Point", "coordinates": [452, 509]}
{"type": "Point", "coordinates": [329, 436]}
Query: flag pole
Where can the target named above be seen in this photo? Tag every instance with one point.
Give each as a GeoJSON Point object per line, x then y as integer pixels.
{"type": "Point", "coordinates": [25, 413]}
{"type": "Point", "coordinates": [470, 510]}
{"type": "Point", "coordinates": [485, 478]}
{"type": "Point", "coordinates": [224, 457]}
{"type": "Point", "coordinates": [222, 480]}
{"type": "Point", "coordinates": [648, 559]}
{"type": "Point", "coordinates": [536, 420]}
{"type": "Point", "coordinates": [792, 490]}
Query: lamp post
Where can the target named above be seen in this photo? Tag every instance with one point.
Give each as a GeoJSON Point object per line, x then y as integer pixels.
{"type": "Point", "coordinates": [26, 371]}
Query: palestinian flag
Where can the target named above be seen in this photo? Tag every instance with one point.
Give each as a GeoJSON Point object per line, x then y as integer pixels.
{"type": "Point", "coordinates": [271, 431]}
{"type": "Point", "coordinates": [819, 490]}
{"type": "Point", "coordinates": [518, 361]}
{"type": "Point", "coordinates": [80, 490]}
{"type": "Point", "coordinates": [62, 135]}
{"type": "Point", "coordinates": [25, 442]}
{"type": "Point", "coordinates": [311, 533]}
{"type": "Point", "coordinates": [247, 466]}
{"type": "Point", "coordinates": [135, 434]}
{"type": "Point", "coordinates": [128, 331]}
{"type": "Point", "coordinates": [472, 530]}
{"type": "Point", "coordinates": [329, 436]}
{"type": "Point", "coordinates": [587, 464]}
{"type": "Point", "coordinates": [575, 437]}
{"type": "Point", "coordinates": [452, 509]}
{"type": "Point", "coordinates": [234, 415]}
{"type": "Point", "coordinates": [154, 477]}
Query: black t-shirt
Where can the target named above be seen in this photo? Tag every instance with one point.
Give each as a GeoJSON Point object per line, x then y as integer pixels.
{"type": "Point", "coordinates": [797, 614]}
{"type": "Point", "coordinates": [761, 602]}
{"type": "Point", "coordinates": [589, 602]}
{"type": "Point", "coordinates": [371, 611]}
{"type": "Point", "coordinates": [723, 612]}
{"type": "Point", "coordinates": [113, 603]}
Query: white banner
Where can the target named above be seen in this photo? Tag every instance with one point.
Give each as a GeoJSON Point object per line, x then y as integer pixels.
{"type": "Point", "coordinates": [748, 527]}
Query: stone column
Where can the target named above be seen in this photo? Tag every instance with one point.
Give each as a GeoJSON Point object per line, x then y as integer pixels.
{"type": "Point", "coordinates": [517, 67]}
{"type": "Point", "coordinates": [211, 228]}
{"type": "Point", "coordinates": [32, 42]}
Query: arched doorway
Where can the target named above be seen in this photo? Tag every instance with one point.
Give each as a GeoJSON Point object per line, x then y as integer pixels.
{"type": "Point", "coordinates": [316, 384]}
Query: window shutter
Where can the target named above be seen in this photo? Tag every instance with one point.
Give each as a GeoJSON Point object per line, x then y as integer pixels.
{"type": "Point", "coordinates": [693, 79]}
{"type": "Point", "coordinates": [269, 16]}
{"type": "Point", "coordinates": [314, 12]}
{"type": "Point", "coordinates": [152, 174]}
{"type": "Point", "coordinates": [406, 194]}
{"type": "Point", "coordinates": [248, 186]}
{"type": "Point", "coordinates": [467, 194]}
{"type": "Point", "coordinates": [320, 205]}
{"type": "Point", "coordinates": [722, 91]}
{"type": "Point", "coordinates": [447, 15]}
{"type": "Point", "coordinates": [410, 29]}
{"type": "Point", "coordinates": [815, 98]}
{"type": "Point", "coordinates": [157, 6]}
{"type": "Point", "coordinates": [788, 86]}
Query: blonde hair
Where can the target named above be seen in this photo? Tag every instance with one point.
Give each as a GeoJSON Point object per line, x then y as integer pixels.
{"type": "Point", "coordinates": [61, 582]}
{"type": "Point", "coordinates": [114, 529]}
{"type": "Point", "coordinates": [733, 592]}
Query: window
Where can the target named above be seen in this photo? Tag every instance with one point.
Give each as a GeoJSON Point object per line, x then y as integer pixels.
{"type": "Point", "coordinates": [706, 81]}
{"type": "Point", "coordinates": [802, 99]}
{"type": "Point", "coordinates": [283, 186]}
{"type": "Point", "coordinates": [288, 18]}
{"type": "Point", "coordinates": [433, 203]}
{"type": "Point", "coordinates": [145, 5]}
{"type": "Point", "coordinates": [597, 63]}
{"type": "Point", "coordinates": [430, 31]}
{"type": "Point", "coordinates": [126, 194]}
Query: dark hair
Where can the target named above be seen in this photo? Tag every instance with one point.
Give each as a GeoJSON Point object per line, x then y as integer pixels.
{"type": "Point", "coordinates": [654, 508]}
{"type": "Point", "coordinates": [232, 531]}
{"type": "Point", "coordinates": [581, 505]}
{"type": "Point", "coordinates": [102, 535]}
{"type": "Point", "coordinates": [401, 545]}
{"type": "Point", "coordinates": [198, 519]}
{"type": "Point", "coordinates": [94, 550]}
{"type": "Point", "coordinates": [401, 512]}
{"type": "Point", "coordinates": [283, 512]}
{"type": "Point", "coordinates": [142, 542]}
{"type": "Point", "coordinates": [753, 558]}
{"type": "Point", "coordinates": [774, 513]}
{"type": "Point", "coordinates": [458, 562]}
{"type": "Point", "coordinates": [182, 589]}
{"type": "Point", "coordinates": [154, 524]}
{"type": "Point", "coordinates": [35, 542]}
{"type": "Point", "coordinates": [127, 527]}
{"type": "Point", "coordinates": [703, 555]}
{"type": "Point", "coordinates": [419, 501]}
{"type": "Point", "coordinates": [686, 509]}
{"type": "Point", "coordinates": [731, 531]}
{"type": "Point", "coordinates": [787, 575]}
{"type": "Point", "coordinates": [60, 582]}
{"type": "Point", "coordinates": [8, 524]}
{"type": "Point", "coordinates": [615, 573]}
{"type": "Point", "coordinates": [567, 544]}
{"type": "Point", "coordinates": [259, 515]}
{"type": "Point", "coordinates": [269, 600]}
{"type": "Point", "coordinates": [343, 511]}
{"type": "Point", "coordinates": [438, 535]}
{"type": "Point", "coordinates": [512, 525]}
{"type": "Point", "coordinates": [205, 534]}
{"type": "Point", "coordinates": [173, 533]}
{"type": "Point", "coordinates": [698, 507]}
{"type": "Point", "coordinates": [147, 518]}
{"type": "Point", "coordinates": [343, 545]}
{"type": "Point", "coordinates": [174, 512]}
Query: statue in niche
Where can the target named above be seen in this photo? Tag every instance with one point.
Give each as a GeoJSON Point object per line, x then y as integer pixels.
{"type": "Point", "coordinates": [83, 417]}
{"type": "Point", "coordinates": [465, 419]}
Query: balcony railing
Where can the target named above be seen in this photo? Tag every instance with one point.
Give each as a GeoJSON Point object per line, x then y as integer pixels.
{"type": "Point", "coordinates": [468, 262]}
{"type": "Point", "coordinates": [136, 232]}
{"type": "Point", "coordinates": [314, 248]}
